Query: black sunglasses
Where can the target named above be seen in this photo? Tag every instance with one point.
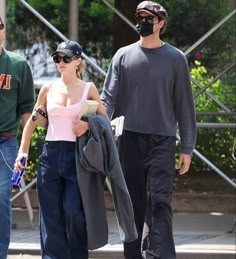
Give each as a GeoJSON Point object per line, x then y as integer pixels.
{"type": "Point", "coordinates": [1, 26]}
{"type": "Point", "coordinates": [147, 19]}
{"type": "Point", "coordinates": [66, 59]}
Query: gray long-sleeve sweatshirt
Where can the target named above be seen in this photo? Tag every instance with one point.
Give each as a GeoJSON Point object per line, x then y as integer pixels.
{"type": "Point", "coordinates": [152, 89]}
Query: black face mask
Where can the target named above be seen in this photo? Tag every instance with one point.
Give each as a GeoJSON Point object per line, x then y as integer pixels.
{"type": "Point", "coordinates": [144, 29]}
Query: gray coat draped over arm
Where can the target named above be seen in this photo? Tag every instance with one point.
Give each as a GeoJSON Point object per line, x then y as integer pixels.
{"type": "Point", "coordinates": [97, 158]}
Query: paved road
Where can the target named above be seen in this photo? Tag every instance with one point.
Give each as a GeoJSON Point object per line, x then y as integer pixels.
{"type": "Point", "coordinates": [197, 236]}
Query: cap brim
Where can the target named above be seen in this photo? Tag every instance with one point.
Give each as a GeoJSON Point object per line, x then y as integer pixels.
{"type": "Point", "coordinates": [67, 52]}
{"type": "Point", "coordinates": [145, 11]}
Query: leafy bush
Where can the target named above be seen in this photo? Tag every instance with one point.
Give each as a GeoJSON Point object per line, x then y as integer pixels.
{"type": "Point", "coordinates": [37, 141]}
{"type": "Point", "coordinates": [216, 144]}
{"type": "Point", "coordinates": [34, 154]}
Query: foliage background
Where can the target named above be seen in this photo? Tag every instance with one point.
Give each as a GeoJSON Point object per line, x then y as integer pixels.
{"type": "Point", "coordinates": [101, 33]}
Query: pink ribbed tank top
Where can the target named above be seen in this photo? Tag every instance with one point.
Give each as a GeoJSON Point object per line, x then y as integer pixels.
{"type": "Point", "coordinates": [61, 118]}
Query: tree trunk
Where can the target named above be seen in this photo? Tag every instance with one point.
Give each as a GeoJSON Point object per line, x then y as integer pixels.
{"type": "Point", "coordinates": [123, 33]}
{"type": "Point", "coordinates": [73, 19]}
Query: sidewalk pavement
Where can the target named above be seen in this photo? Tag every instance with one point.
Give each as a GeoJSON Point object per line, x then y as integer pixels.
{"type": "Point", "coordinates": [196, 235]}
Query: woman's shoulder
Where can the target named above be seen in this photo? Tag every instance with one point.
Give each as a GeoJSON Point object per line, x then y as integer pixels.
{"type": "Point", "coordinates": [88, 84]}
{"type": "Point", "coordinates": [45, 87]}
{"type": "Point", "coordinates": [48, 85]}
{"type": "Point", "coordinates": [91, 89]}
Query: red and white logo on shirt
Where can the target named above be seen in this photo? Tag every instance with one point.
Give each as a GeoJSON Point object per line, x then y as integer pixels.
{"type": "Point", "coordinates": [6, 82]}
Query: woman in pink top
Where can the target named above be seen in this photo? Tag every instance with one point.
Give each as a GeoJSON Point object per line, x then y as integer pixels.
{"type": "Point", "coordinates": [62, 222]}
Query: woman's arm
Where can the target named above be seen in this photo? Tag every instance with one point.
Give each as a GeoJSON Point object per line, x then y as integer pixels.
{"type": "Point", "coordinates": [29, 129]}
{"type": "Point", "coordinates": [80, 126]}
{"type": "Point", "coordinates": [94, 95]}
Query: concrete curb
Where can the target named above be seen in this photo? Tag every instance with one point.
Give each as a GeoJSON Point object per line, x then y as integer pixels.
{"type": "Point", "coordinates": [118, 254]}
{"type": "Point", "coordinates": [182, 202]}
{"type": "Point", "coordinates": [204, 202]}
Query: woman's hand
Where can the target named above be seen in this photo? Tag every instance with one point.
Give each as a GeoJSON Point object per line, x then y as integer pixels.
{"type": "Point", "coordinates": [80, 127]}
{"type": "Point", "coordinates": [18, 166]}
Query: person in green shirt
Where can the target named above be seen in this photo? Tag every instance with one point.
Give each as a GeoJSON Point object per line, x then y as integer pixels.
{"type": "Point", "coordinates": [17, 96]}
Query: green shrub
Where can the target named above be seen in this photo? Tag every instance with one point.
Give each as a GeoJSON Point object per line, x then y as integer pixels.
{"type": "Point", "coordinates": [216, 144]}
{"type": "Point", "coordinates": [37, 141]}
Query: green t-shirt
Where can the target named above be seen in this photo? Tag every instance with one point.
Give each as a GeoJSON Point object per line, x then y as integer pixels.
{"type": "Point", "coordinates": [17, 93]}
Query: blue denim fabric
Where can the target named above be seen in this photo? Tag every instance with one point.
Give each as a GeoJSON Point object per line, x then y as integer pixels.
{"type": "Point", "coordinates": [62, 222]}
{"type": "Point", "coordinates": [8, 149]}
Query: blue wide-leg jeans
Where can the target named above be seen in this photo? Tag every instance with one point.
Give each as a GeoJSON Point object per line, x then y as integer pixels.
{"type": "Point", "coordinates": [62, 223]}
{"type": "Point", "coordinates": [8, 152]}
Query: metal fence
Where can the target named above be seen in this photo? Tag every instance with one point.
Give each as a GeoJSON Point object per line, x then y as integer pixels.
{"type": "Point", "coordinates": [203, 89]}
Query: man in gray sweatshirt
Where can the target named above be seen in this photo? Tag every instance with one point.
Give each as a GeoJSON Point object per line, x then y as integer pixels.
{"type": "Point", "coordinates": [148, 82]}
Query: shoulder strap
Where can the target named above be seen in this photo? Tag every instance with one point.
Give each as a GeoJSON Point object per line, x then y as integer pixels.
{"type": "Point", "coordinates": [86, 90]}
{"type": "Point", "coordinates": [46, 92]}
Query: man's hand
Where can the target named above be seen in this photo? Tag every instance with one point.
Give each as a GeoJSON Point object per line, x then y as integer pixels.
{"type": "Point", "coordinates": [184, 163]}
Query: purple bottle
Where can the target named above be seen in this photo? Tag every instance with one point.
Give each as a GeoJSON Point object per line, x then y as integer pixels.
{"type": "Point", "coordinates": [17, 175]}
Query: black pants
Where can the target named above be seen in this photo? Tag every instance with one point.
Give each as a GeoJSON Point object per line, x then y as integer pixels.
{"type": "Point", "coordinates": [148, 163]}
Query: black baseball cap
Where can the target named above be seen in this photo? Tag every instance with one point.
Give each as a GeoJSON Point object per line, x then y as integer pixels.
{"type": "Point", "coordinates": [70, 48]}
{"type": "Point", "coordinates": [152, 8]}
